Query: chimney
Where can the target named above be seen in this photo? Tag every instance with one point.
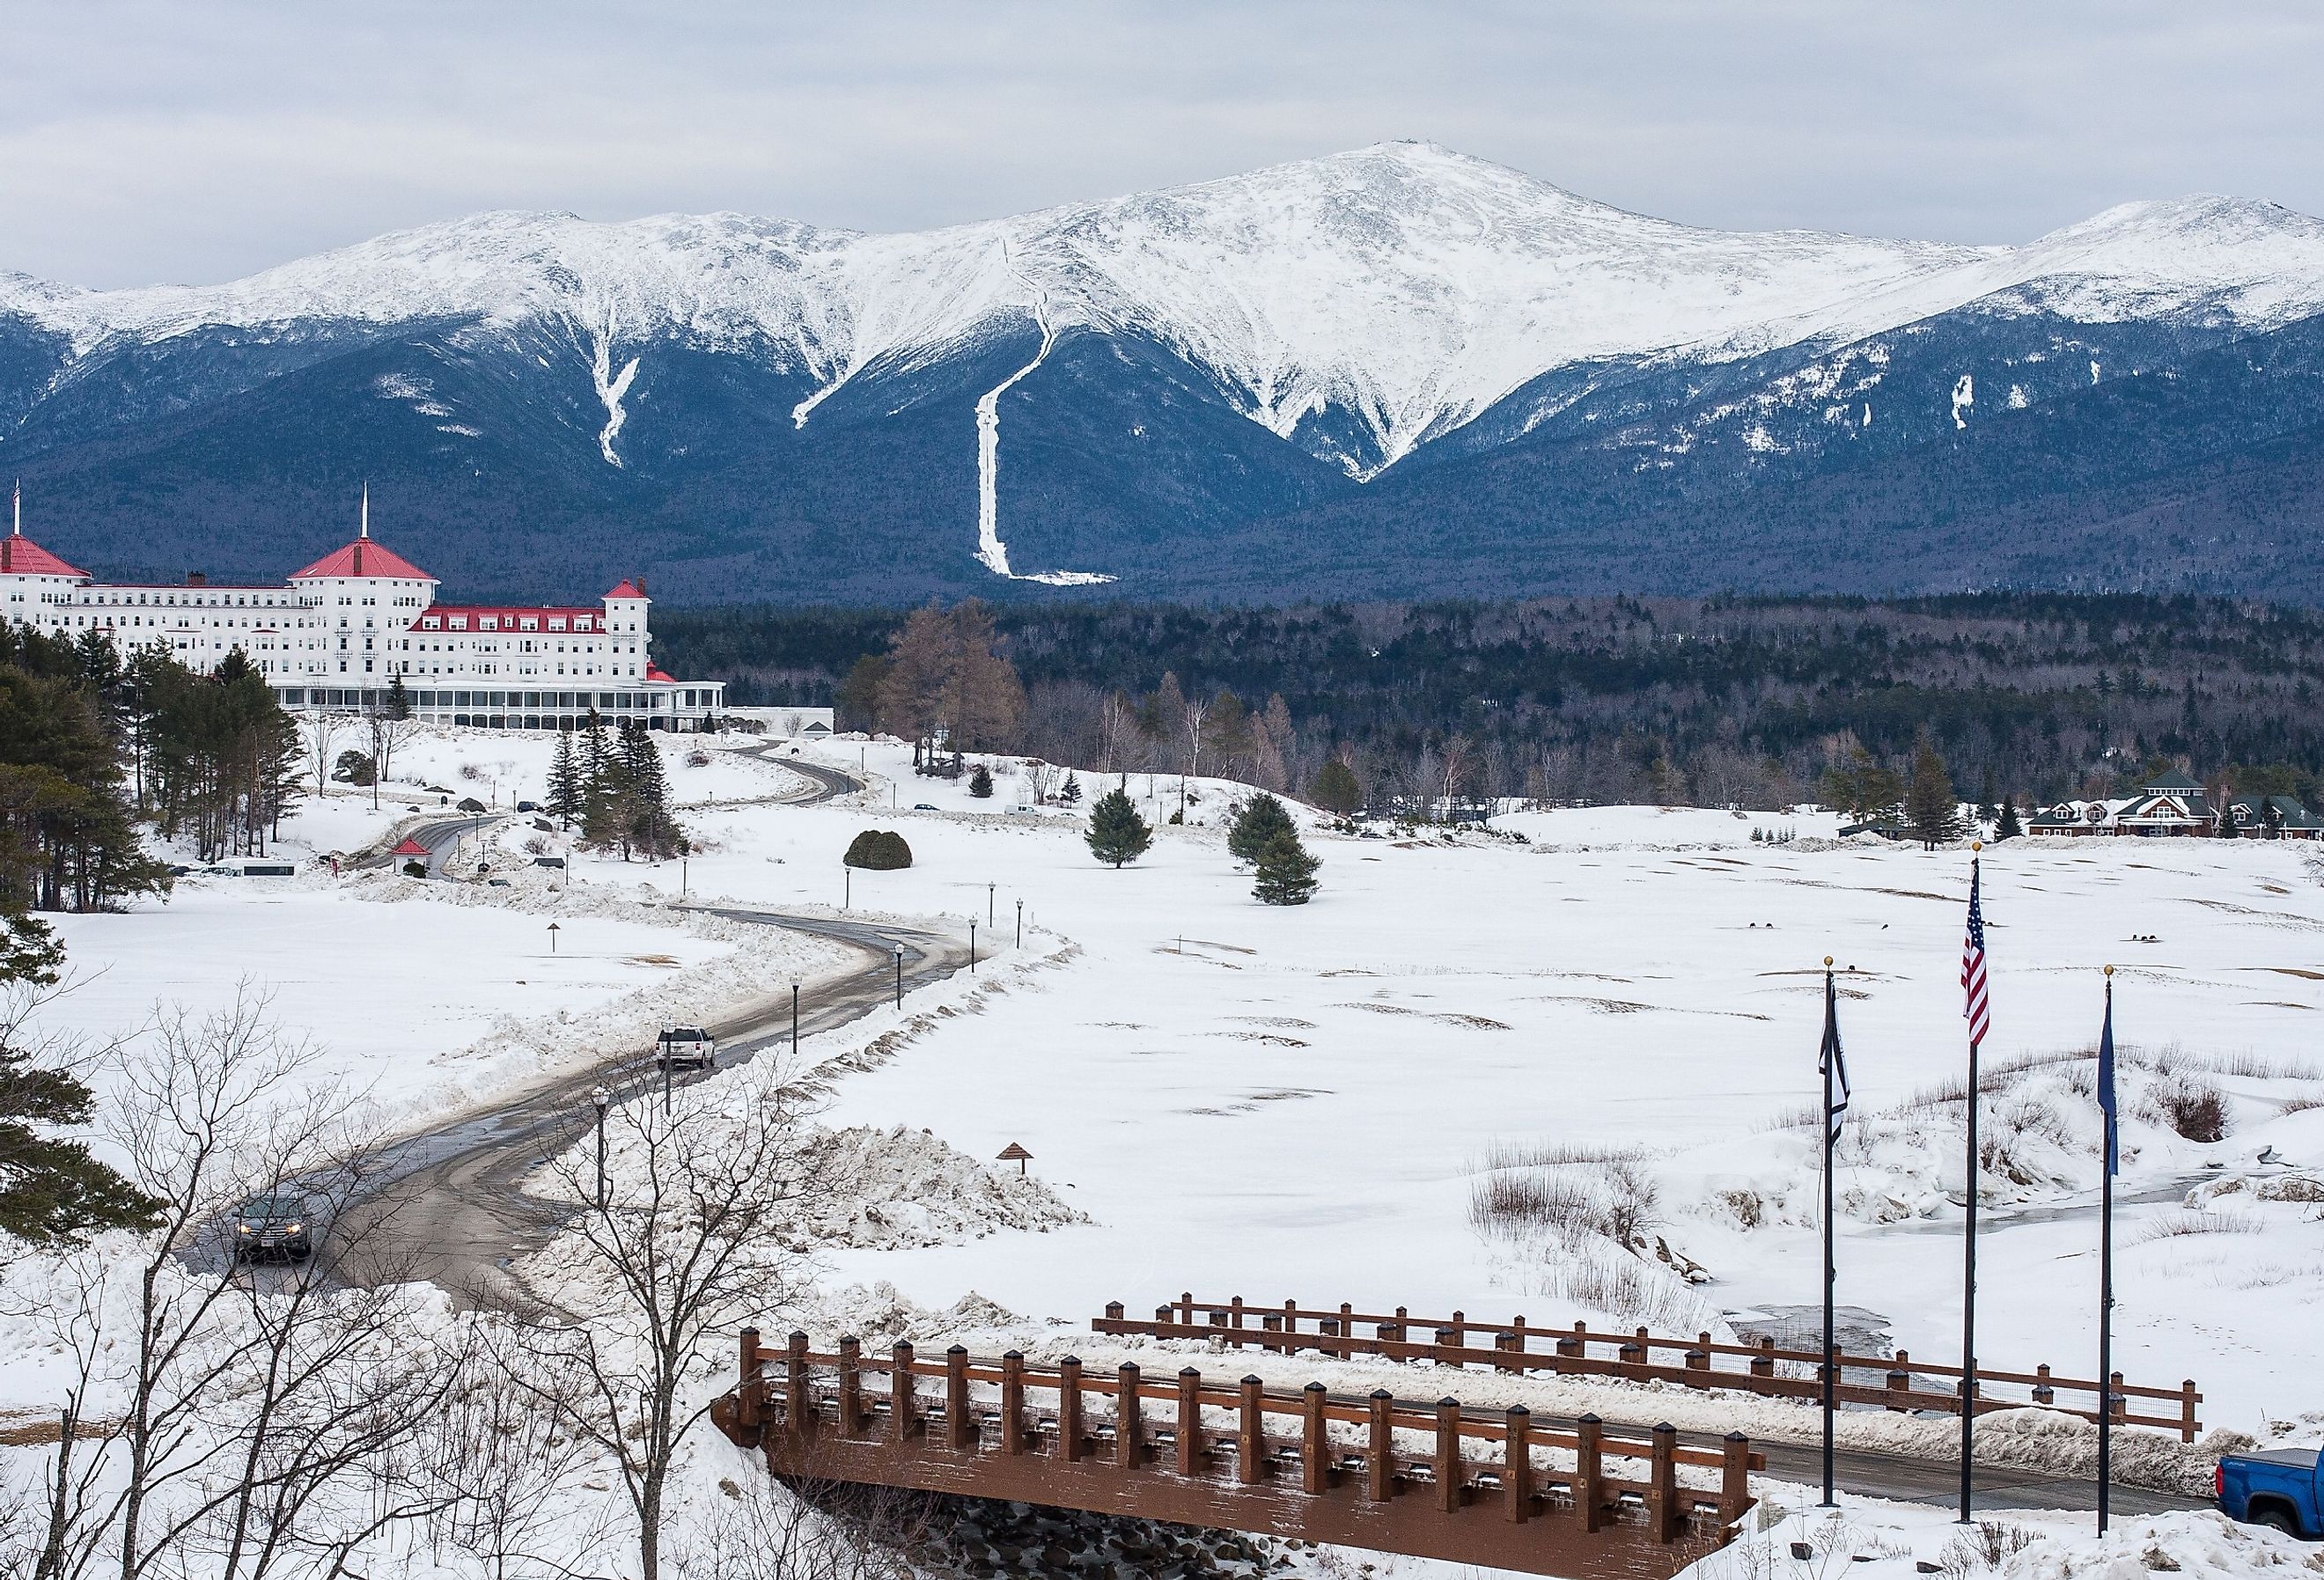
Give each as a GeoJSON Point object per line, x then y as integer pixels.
{"type": "Point", "coordinates": [195, 579]}
{"type": "Point", "coordinates": [641, 584]}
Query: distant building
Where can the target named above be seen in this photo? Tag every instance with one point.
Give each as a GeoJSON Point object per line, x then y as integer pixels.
{"type": "Point", "coordinates": [2172, 805]}
{"type": "Point", "coordinates": [336, 635]}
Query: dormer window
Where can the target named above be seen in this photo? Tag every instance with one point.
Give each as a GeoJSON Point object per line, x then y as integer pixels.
{"type": "Point", "coordinates": [459, 622]}
{"type": "Point", "coordinates": [528, 624]}
{"type": "Point", "coordinates": [430, 623]}
{"type": "Point", "coordinates": [488, 623]}
{"type": "Point", "coordinates": [557, 622]}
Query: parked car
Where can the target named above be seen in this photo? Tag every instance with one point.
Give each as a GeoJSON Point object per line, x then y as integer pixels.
{"type": "Point", "coordinates": [1024, 810]}
{"type": "Point", "coordinates": [528, 805]}
{"type": "Point", "coordinates": [925, 807]}
{"type": "Point", "coordinates": [2273, 1486]}
{"type": "Point", "coordinates": [274, 1224]}
{"type": "Point", "coordinates": [687, 1047]}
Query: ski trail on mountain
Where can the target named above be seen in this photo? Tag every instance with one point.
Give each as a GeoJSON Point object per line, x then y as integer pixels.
{"type": "Point", "coordinates": [611, 387]}
{"type": "Point", "coordinates": [990, 549]}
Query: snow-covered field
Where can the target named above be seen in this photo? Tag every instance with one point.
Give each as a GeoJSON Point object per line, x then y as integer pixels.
{"type": "Point", "coordinates": [1355, 1100]}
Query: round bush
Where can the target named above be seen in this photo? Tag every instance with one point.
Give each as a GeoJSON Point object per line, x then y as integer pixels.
{"type": "Point", "coordinates": [879, 851]}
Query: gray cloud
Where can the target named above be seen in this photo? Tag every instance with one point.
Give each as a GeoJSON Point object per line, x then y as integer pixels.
{"type": "Point", "coordinates": [168, 142]}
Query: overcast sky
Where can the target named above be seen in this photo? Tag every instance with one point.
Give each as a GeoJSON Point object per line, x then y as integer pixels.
{"type": "Point", "coordinates": [197, 142]}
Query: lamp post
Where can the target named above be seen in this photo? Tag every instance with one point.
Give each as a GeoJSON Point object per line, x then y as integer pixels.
{"type": "Point", "coordinates": [794, 987]}
{"type": "Point", "coordinates": [600, 1096]}
{"type": "Point", "coordinates": [1020, 924]}
{"type": "Point", "coordinates": [552, 938]}
{"type": "Point", "coordinates": [989, 890]}
{"type": "Point", "coordinates": [847, 893]}
{"type": "Point", "coordinates": [971, 945]}
{"type": "Point", "coordinates": [899, 976]}
{"type": "Point", "coordinates": [666, 1062]}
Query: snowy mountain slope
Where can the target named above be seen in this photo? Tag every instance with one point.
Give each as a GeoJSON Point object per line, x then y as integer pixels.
{"type": "Point", "coordinates": [1060, 388]}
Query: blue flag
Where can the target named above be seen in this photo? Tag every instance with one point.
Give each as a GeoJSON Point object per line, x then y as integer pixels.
{"type": "Point", "coordinates": [2105, 1086]}
{"type": "Point", "coordinates": [1829, 1060]}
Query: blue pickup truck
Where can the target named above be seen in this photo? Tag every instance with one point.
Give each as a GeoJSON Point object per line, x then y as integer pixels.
{"type": "Point", "coordinates": [2277, 1486]}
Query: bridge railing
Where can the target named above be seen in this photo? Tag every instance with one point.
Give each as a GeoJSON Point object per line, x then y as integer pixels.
{"type": "Point", "coordinates": [1700, 1363]}
{"type": "Point", "coordinates": [1240, 1433]}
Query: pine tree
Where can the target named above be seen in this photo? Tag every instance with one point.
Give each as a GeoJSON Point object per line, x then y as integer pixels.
{"type": "Point", "coordinates": [398, 701]}
{"type": "Point", "coordinates": [1071, 794]}
{"type": "Point", "coordinates": [980, 783]}
{"type": "Point", "coordinates": [565, 796]}
{"type": "Point", "coordinates": [652, 827]}
{"type": "Point", "coordinates": [1261, 819]}
{"type": "Point", "coordinates": [1931, 811]}
{"type": "Point", "coordinates": [1336, 789]}
{"type": "Point", "coordinates": [1117, 834]}
{"type": "Point", "coordinates": [1286, 874]}
{"type": "Point", "coordinates": [2007, 827]}
{"type": "Point", "coordinates": [50, 1188]}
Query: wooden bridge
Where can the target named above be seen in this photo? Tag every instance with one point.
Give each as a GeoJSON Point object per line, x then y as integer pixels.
{"type": "Point", "coordinates": [1513, 1346]}
{"type": "Point", "coordinates": [1430, 1479]}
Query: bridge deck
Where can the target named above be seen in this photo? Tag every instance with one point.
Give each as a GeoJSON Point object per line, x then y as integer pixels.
{"type": "Point", "coordinates": [1432, 1481]}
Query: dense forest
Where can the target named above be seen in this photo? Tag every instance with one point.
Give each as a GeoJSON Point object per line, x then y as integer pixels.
{"type": "Point", "coordinates": [1717, 701]}
{"type": "Point", "coordinates": [93, 749]}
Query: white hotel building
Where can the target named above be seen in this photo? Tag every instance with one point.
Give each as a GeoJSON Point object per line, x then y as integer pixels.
{"type": "Point", "coordinates": [336, 635]}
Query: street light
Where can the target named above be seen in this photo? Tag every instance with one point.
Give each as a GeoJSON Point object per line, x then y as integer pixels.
{"type": "Point", "coordinates": [600, 1096]}
{"type": "Point", "coordinates": [971, 945]}
{"type": "Point", "coordinates": [847, 895]}
{"type": "Point", "coordinates": [989, 889]}
{"type": "Point", "coordinates": [1020, 924]}
{"type": "Point", "coordinates": [794, 986]}
{"type": "Point", "coordinates": [899, 976]}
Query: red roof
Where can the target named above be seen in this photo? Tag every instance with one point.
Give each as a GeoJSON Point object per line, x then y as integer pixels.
{"type": "Point", "coordinates": [411, 848]}
{"type": "Point", "coordinates": [365, 558]}
{"type": "Point", "coordinates": [656, 672]}
{"type": "Point", "coordinates": [19, 556]}
{"type": "Point", "coordinates": [628, 589]}
{"type": "Point", "coordinates": [508, 616]}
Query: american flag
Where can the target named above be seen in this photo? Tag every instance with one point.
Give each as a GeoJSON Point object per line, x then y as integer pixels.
{"type": "Point", "coordinates": [1974, 1008]}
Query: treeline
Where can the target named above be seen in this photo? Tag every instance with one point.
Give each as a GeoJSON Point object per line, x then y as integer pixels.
{"type": "Point", "coordinates": [92, 748]}
{"type": "Point", "coordinates": [1716, 701]}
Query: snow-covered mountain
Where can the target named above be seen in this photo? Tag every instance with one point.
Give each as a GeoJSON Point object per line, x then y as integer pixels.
{"type": "Point", "coordinates": [1031, 380]}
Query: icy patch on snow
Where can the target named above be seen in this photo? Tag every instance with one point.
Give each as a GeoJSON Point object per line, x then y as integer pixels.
{"type": "Point", "coordinates": [1964, 400]}
{"type": "Point", "coordinates": [991, 551]}
{"type": "Point", "coordinates": [611, 387]}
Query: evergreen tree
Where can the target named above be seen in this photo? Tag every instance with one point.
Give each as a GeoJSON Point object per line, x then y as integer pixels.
{"type": "Point", "coordinates": [2007, 827]}
{"type": "Point", "coordinates": [1931, 811]}
{"type": "Point", "coordinates": [1117, 834]}
{"type": "Point", "coordinates": [1071, 794]}
{"type": "Point", "coordinates": [1336, 789]}
{"type": "Point", "coordinates": [980, 783]}
{"type": "Point", "coordinates": [1286, 872]}
{"type": "Point", "coordinates": [564, 787]}
{"type": "Point", "coordinates": [1261, 819]}
{"type": "Point", "coordinates": [652, 829]}
{"type": "Point", "coordinates": [50, 1188]}
{"type": "Point", "coordinates": [398, 701]}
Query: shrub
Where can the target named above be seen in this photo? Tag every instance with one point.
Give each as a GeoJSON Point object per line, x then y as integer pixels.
{"type": "Point", "coordinates": [879, 850]}
{"type": "Point", "coordinates": [1286, 872]}
{"type": "Point", "coordinates": [415, 869]}
{"type": "Point", "coordinates": [980, 783]}
{"type": "Point", "coordinates": [2195, 1109]}
{"type": "Point", "coordinates": [1261, 819]}
{"type": "Point", "coordinates": [1117, 834]}
{"type": "Point", "coordinates": [354, 768]}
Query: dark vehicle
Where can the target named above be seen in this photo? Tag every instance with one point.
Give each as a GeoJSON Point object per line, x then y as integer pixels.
{"type": "Point", "coordinates": [2275, 1486]}
{"type": "Point", "coordinates": [528, 805]}
{"type": "Point", "coordinates": [273, 1225]}
{"type": "Point", "coordinates": [924, 807]}
{"type": "Point", "coordinates": [687, 1047]}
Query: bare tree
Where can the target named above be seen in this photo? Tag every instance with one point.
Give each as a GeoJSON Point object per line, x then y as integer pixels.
{"type": "Point", "coordinates": [686, 1239]}
{"type": "Point", "coordinates": [319, 733]}
{"type": "Point", "coordinates": [1192, 714]}
{"type": "Point", "coordinates": [388, 730]}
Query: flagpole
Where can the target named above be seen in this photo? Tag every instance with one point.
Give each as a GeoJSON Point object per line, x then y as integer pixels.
{"type": "Point", "coordinates": [1969, 1265]}
{"type": "Point", "coordinates": [2105, 1279]}
{"type": "Point", "coordinates": [1830, 1380]}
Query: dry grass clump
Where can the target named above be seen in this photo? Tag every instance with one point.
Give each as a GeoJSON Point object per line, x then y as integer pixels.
{"type": "Point", "coordinates": [2200, 1223]}
{"type": "Point", "coordinates": [2193, 1109]}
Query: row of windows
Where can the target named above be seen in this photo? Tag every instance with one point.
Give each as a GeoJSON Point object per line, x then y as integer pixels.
{"type": "Point", "coordinates": [426, 700]}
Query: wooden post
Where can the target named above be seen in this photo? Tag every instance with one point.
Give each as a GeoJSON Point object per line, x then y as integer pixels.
{"type": "Point", "coordinates": [1900, 1381]}
{"type": "Point", "coordinates": [851, 1386]}
{"type": "Point", "coordinates": [960, 1429]}
{"type": "Point", "coordinates": [1448, 1339]}
{"type": "Point", "coordinates": [2188, 1400]}
{"type": "Point", "coordinates": [1762, 1365]}
{"type": "Point", "coordinates": [2043, 1393]}
{"type": "Point", "coordinates": [1069, 1408]}
{"type": "Point", "coordinates": [1315, 1445]}
{"type": "Point", "coordinates": [1164, 1316]}
{"type": "Point", "coordinates": [1506, 1345]}
{"type": "Point", "coordinates": [746, 1394]}
{"type": "Point", "coordinates": [1380, 1449]}
{"type": "Point", "coordinates": [1589, 1473]}
{"type": "Point", "coordinates": [1129, 1417]}
{"type": "Point", "coordinates": [1190, 1420]}
{"type": "Point", "coordinates": [1516, 1464]}
{"type": "Point", "coordinates": [1662, 1494]}
{"type": "Point", "coordinates": [1448, 1454]}
{"type": "Point", "coordinates": [1574, 1344]}
{"type": "Point", "coordinates": [1113, 1310]}
{"type": "Point", "coordinates": [1291, 1325]}
{"type": "Point", "coordinates": [1698, 1361]}
{"type": "Point", "coordinates": [1234, 1316]}
{"type": "Point", "coordinates": [2118, 1404]}
{"type": "Point", "coordinates": [1734, 1479]}
{"type": "Point", "coordinates": [795, 1401]}
{"type": "Point", "coordinates": [1250, 1435]}
{"type": "Point", "coordinates": [1012, 1402]}
{"type": "Point", "coordinates": [901, 1404]}
{"type": "Point", "coordinates": [1268, 1322]}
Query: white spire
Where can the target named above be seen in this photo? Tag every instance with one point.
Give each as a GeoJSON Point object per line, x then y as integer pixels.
{"type": "Point", "coordinates": [364, 530]}
{"type": "Point", "coordinates": [16, 522]}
